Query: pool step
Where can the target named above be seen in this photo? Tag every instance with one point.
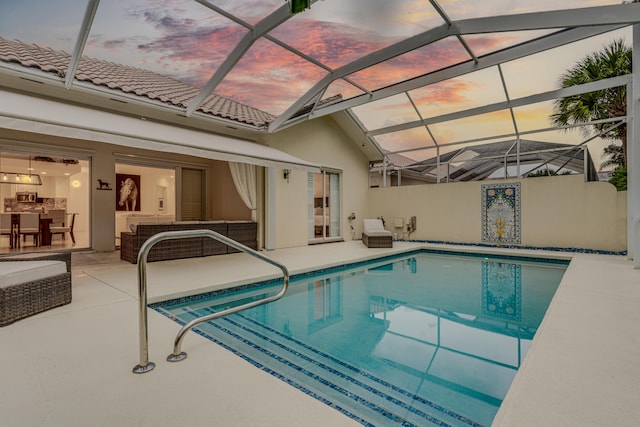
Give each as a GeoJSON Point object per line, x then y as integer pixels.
{"type": "Point", "coordinates": [368, 399]}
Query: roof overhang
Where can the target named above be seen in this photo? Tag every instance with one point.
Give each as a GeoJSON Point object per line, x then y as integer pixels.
{"type": "Point", "coordinates": [28, 113]}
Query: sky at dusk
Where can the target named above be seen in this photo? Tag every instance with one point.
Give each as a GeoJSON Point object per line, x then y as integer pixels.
{"type": "Point", "coordinates": [188, 41]}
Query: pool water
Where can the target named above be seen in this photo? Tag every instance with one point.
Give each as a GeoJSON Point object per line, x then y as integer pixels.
{"type": "Point", "coordinates": [421, 339]}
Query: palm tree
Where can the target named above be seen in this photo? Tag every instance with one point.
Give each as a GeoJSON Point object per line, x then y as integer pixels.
{"type": "Point", "coordinates": [614, 60]}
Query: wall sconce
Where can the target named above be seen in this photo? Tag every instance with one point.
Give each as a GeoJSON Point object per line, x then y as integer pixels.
{"type": "Point", "coordinates": [286, 174]}
{"type": "Point", "coordinates": [352, 216]}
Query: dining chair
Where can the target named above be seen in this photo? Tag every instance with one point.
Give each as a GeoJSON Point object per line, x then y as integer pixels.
{"type": "Point", "coordinates": [6, 228]}
{"type": "Point", "coordinates": [30, 226]}
{"type": "Point", "coordinates": [63, 227]}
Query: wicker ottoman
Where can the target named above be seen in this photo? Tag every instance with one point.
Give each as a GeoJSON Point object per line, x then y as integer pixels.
{"type": "Point", "coordinates": [33, 283]}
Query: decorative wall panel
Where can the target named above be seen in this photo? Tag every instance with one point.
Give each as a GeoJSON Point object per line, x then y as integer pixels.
{"type": "Point", "coordinates": [501, 213]}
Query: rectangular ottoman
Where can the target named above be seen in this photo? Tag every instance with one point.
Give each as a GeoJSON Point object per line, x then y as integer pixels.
{"type": "Point", "coordinates": [32, 283]}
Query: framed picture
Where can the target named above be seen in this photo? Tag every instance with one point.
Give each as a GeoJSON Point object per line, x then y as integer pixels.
{"type": "Point", "coordinates": [161, 193]}
{"type": "Point", "coordinates": [128, 194]}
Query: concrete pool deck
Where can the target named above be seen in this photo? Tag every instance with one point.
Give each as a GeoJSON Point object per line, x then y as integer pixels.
{"type": "Point", "coordinates": [71, 366]}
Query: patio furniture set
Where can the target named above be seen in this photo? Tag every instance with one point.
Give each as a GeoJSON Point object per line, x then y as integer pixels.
{"type": "Point", "coordinates": [40, 226]}
{"type": "Point", "coordinates": [31, 283]}
{"type": "Point", "coordinates": [244, 232]}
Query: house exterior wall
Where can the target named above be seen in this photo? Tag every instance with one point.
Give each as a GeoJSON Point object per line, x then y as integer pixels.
{"type": "Point", "coordinates": [562, 211]}
{"type": "Point", "coordinates": [223, 199]}
{"type": "Point", "coordinates": [321, 141]}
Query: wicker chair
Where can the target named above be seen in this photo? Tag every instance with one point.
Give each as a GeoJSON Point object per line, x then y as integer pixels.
{"type": "Point", "coordinates": [49, 286]}
{"type": "Point", "coordinates": [375, 236]}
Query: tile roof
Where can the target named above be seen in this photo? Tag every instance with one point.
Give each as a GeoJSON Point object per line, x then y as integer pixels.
{"type": "Point", "coordinates": [131, 80]}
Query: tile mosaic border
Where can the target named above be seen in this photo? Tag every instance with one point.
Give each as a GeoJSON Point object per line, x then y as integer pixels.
{"type": "Point", "coordinates": [302, 276]}
{"type": "Point", "coordinates": [535, 248]}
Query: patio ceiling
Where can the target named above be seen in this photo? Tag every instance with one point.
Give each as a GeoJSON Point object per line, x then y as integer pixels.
{"type": "Point", "coordinates": [416, 76]}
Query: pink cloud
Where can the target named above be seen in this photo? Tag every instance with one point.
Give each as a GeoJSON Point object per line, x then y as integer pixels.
{"type": "Point", "coordinates": [330, 43]}
{"type": "Point", "coordinates": [412, 64]}
{"type": "Point", "coordinates": [270, 78]}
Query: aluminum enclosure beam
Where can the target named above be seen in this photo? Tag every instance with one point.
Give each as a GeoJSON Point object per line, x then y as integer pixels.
{"type": "Point", "coordinates": [515, 103]}
{"type": "Point", "coordinates": [490, 60]}
{"type": "Point", "coordinates": [620, 14]}
{"type": "Point", "coordinates": [263, 27]}
{"type": "Point", "coordinates": [613, 17]}
{"type": "Point", "coordinates": [89, 14]}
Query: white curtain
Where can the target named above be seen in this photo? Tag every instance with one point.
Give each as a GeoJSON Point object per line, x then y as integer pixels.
{"type": "Point", "coordinates": [244, 177]}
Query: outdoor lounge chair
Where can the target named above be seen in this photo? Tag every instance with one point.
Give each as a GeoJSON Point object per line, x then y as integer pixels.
{"type": "Point", "coordinates": [31, 283]}
{"type": "Point", "coordinates": [375, 236]}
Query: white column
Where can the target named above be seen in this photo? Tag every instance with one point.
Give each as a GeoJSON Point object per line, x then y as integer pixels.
{"type": "Point", "coordinates": [270, 209]}
{"type": "Point", "coordinates": [633, 156]}
{"type": "Point", "coordinates": [384, 172]}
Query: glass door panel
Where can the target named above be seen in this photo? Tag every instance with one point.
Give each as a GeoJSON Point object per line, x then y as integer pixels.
{"type": "Point", "coordinates": [324, 206]}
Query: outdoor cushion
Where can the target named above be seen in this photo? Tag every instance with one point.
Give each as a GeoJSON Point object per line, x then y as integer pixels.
{"type": "Point", "coordinates": [13, 273]}
{"type": "Point", "coordinates": [378, 233]}
{"type": "Point", "coordinates": [375, 225]}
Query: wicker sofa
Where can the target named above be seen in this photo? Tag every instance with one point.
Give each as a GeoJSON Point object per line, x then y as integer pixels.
{"type": "Point", "coordinates": [31, 283]}
{"type": "Point", "coordinates": [241, 231]}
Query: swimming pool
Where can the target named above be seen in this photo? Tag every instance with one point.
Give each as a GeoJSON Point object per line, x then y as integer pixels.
{"type": "Point", "coordinates": [419, 339]}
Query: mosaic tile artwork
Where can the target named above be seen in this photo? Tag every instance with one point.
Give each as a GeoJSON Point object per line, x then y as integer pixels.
{"type": "Point", "coordinates": [501, 290]}
{"type": "Point", "coordinates": [501, 213]}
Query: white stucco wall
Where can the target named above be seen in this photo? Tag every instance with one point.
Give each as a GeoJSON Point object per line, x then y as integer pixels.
{"type": "Point", "coordinates": [562, 211]}
{"type": "Point", "coordinates": [556, 211]}
{"type": "Point", "coordinates": [321, 141]}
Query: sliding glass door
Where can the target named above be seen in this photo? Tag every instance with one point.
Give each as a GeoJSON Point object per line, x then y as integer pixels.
{"type": "Point", "coordinates": [54, 188]}
{"type": "Point", "coordinates": [324, 206]}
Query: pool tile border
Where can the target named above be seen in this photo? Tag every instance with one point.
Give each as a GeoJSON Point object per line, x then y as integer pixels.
{"type": "Point", "coordinates": [514, 246]}
{"type": "Point", "coordinates": [343, 267]}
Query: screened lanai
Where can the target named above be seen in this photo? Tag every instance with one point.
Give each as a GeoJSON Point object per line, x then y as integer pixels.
{"type": "Point", "coordinates": [396, 66]}
{"type": "Point", "coordinates": [430, 92]}
{"type": "Point", "coordinates": [498, 160]}
{"type": "Point", "coordinates": [419, 79]}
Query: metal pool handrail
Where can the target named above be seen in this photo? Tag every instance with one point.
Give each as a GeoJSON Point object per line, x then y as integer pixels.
{"type": "Point", "coordinates": [145, 365]}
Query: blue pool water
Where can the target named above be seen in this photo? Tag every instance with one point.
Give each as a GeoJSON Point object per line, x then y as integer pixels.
{"type": "Point", "coordinates": [420, 339]}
